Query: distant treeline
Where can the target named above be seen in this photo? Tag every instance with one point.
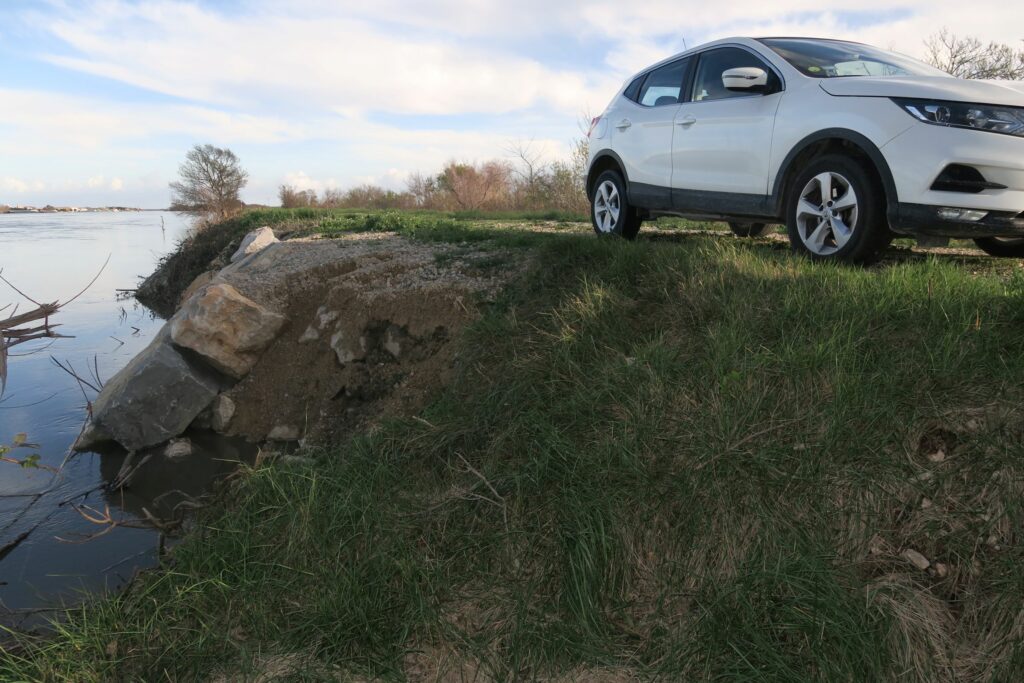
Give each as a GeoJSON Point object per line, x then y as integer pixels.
{"type": "Point", "coordinates": [526, 185]}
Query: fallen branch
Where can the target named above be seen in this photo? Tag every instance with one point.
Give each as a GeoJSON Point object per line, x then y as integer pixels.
{"type": "Point", "coordinates": [17, 328]}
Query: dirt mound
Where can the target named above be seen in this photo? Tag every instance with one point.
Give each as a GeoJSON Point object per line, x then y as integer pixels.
{"type": "Point", "coordinates": [370, 325]}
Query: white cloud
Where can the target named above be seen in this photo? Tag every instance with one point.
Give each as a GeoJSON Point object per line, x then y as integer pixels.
{"type": "Point", "coordinates": [301, 181]}
{"type": "Point", "coordinates": [116, 184]}
{"type": "Point", "coordinates": [93, 122]}
{"type": "Point", "coordinates": [320, 57]}
{"type": "Point", "coordinates": [19, 186]}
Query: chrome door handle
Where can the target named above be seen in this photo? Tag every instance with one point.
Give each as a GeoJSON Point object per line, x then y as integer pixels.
{"type": "Point", "coordinates": [687, 122]}
{"type": "Point", "coordinates": [624, 124]}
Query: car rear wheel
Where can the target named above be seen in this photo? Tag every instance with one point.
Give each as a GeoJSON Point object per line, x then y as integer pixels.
{"type": "Point", "coordinates": [610, 211]}
{"type": "Point", "coordinates": [748, 229]}
{"type": "Point", "coordinates": [836, 211]}
{"type": "Point", "coordinates": [1007, 247]}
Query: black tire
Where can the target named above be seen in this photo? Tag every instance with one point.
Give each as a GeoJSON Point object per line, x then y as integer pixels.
{"type": "Point", "coordinates": [1004, 247]}
{"type": "Point", "coordinates": [837, 232]}
{"type": "Point", "coordinates": [610, 194]}
{"type": "Point", "coordinates": [748, 229]}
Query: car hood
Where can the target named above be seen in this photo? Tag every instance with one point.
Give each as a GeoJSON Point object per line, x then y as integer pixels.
{"type": "Point", "coordinates": [1008, 93]}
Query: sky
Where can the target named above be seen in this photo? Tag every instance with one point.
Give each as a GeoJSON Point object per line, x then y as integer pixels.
{"type": "Point", "coordinates": [100, 99]}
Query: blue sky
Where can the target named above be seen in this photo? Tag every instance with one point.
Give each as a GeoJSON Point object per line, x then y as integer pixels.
{"type": "Point", "coordinates": [100, 99]}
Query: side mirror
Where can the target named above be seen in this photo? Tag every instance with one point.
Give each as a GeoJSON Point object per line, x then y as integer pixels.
{"type": "Point", "coordinates": [745, 79]}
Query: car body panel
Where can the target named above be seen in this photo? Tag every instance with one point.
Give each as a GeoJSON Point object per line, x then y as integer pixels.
{"type": "Point", "coordinates": [919, 154]}
{"type": "Point", "coordinates": [646, 144]}
{"type": "Point", "coordinates": [808, 109]}
{"type": "Point", "coordinates": [728, 145]}
{"type": "Point", "coordinates": [1006, 93]}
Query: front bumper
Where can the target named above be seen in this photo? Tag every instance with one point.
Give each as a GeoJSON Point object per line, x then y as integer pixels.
{"type": "Point", "coordinates": [923, 219]}
{"type": "Point", "coordinates": [917, 157]}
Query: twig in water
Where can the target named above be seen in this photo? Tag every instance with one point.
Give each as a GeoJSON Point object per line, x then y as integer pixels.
{"type": "Point", "coordinates": [71, 371]}
{"type": "Point", "coordinates": [96, 370]}
{"type": "Point", "coordinates": [91, 282]}
{"type": "Point", "coordinates": [27, 405]}
{"type": "Point", "coordinates": [9, 548]}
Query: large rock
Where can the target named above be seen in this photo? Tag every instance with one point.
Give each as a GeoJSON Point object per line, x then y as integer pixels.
{"type": "Point", "coordinates": [153, 398]}
{"type": "Point", "coordinates": [198, 283]}
{"type": "Point", "coordinates": [254, 242]}
{"type": "Point", "coordinates": [228, 330]}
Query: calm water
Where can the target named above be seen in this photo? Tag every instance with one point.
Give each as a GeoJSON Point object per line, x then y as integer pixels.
{"type": "Point", "coordinates": [51, 257]}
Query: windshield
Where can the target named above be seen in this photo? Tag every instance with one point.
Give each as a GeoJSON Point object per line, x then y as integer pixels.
{"type": "Point", "coordinates": [837, 59]}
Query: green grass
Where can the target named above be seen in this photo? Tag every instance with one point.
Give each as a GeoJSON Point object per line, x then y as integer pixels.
{"type": "Point", "coordinates": [686, 458]}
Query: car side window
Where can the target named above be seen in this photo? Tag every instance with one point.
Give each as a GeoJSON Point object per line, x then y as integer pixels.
{"type": "Point", "coordinates": [633, 91]}
{"type": "Point", "coordinates": [664, 85]}
{"type": "Point", "coordinates": [707, 85]}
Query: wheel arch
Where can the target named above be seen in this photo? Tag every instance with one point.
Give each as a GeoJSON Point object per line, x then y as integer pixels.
{"type": "Point", "coordinates": [834, 140]}
{"type": "Point", "coordinates": [606, 160]}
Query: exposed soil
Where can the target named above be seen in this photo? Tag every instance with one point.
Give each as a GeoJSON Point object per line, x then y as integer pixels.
{"type": "Point", "coordinates": [371, 320]}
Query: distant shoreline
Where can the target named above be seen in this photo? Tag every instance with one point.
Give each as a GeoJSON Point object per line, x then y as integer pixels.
{"type": "Point", "coordinates": [69, 209]}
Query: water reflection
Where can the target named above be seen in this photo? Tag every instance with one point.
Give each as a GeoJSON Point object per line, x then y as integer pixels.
{"type": "Point", "coordinates": [51, 257]}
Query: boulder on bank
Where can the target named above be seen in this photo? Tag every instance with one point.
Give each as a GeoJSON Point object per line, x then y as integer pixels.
{"type": "Point", "coordinates": [227, 329]}
{"type": "Point", "coordinates": [153, 398]}
{"type": "Point", "coordinates": [254, 242]}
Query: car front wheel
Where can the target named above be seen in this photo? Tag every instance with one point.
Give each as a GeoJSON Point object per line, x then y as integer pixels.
{"type": "Point", "coordinates": [836, 211]}
{"type": "Point", "coordinates": [1007, 247]}
{"type": "Point", "coordinates": [610, 211]}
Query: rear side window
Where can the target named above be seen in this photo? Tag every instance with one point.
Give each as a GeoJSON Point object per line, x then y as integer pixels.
{"type": "Point", "coordinates": [664, 85]}
{"type": "Point", "coordinates": [708, 83]}
{"type": "Point", "coordinates": [633, 91]}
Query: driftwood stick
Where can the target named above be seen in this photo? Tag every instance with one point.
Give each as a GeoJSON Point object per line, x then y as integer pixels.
{"type": "Point", "coordinates": [41, 313]}
{"type": "Point", "coordinates": [28, 331]}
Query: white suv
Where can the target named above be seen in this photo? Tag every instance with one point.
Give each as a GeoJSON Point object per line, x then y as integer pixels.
{"type": "Point", "coordinates": [846, 144]}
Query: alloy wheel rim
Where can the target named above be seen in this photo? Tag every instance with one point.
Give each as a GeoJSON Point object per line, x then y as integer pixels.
{"type": "Point", "coordinates": [826, 213]}
{"type": "Point", "coordinates": [607, 206]}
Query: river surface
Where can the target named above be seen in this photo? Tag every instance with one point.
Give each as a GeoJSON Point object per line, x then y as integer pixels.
{"type": "Point", "coordinates": [50, 554]}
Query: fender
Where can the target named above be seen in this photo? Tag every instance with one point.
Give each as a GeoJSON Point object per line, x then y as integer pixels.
{"type": "Point", "coordinates": [869, 148]}
{"type": "Point", "coordinates": [605, 154]}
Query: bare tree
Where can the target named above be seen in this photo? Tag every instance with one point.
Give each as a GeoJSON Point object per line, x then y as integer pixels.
{"type": "Point", "coordinates": [528, 160]}
{"type": "Point", "coordinates": [211, 179]}
{"type": "Point", "coordinates": [474, 187]}
{"type": "Point", "coordinates": [968, 57]}
{"type": "Point", "coordinates": [292, 198]}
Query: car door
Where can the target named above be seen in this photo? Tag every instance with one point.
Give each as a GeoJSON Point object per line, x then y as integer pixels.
{"type": "Point", "coordinates": [722, 145]}
{"type": "Point", "coordinates": [642, 130]}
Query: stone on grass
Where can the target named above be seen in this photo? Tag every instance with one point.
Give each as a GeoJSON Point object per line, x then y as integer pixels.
{"type": "Point", "coordinates": [228, 330]}
{"type": "Point", "coordinates": [917, 559]}
{"type": "Point", "coordinates": [154, 398]}
{"type": "Point", "coordinates": [256, 241]}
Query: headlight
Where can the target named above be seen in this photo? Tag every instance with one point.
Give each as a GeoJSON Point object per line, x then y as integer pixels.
{"type": "Point", "coordinates": [1008, 120]}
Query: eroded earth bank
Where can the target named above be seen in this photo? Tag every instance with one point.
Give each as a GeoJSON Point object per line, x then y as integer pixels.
{"type": "Point", "coordinates": [304, 340]}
